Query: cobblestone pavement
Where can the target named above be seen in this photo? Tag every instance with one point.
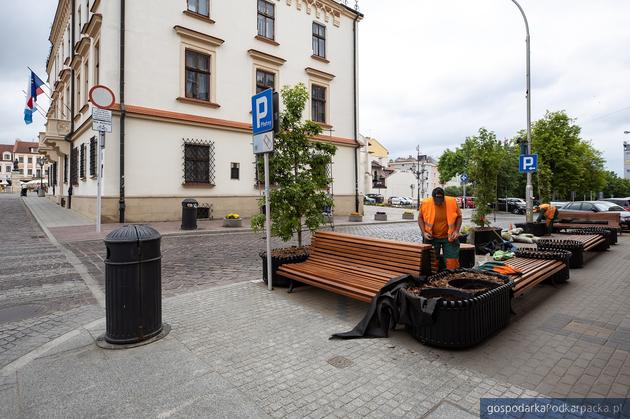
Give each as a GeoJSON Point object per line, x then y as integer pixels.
{"type": "Point", "coordinates": [41, 295]}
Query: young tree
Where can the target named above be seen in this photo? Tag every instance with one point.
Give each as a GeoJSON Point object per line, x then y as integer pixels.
{"type": "Point", "coordinates": [298, 169]}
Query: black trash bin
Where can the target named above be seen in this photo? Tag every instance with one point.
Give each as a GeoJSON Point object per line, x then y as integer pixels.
{"type": "Point", "coordinates": [23, 192]}
{"type": "Point", "coordinates": [189, 214]}
{"type": "Point", "coordinates": [133, 285]}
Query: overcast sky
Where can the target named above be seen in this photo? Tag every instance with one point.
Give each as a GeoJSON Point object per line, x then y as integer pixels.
{"type": "Point", "coordinates": [432, 72]}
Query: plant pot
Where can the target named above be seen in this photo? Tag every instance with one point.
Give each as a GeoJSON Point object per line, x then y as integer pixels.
{"type": "Point", "coordinates": [466, 256]}
{"type": "Point", "coordinates": [380, 216]}
{"type": "Point", "coordinates": [575, 247]}
{"type": "Point", "coordinates": [355, 218]}
{"type": "Point", "coordinates": [279, 260]}
{"type": "Point", "coordinates": [463, 323]}
{"type": "Point", "coordinates": [484, 236]}
{"type": "Point", "coordinates": [537, 229]}
{"type": "Point", "coordinates": [227, 222]}
{"type": "Point", "coordinates": [408, 216]}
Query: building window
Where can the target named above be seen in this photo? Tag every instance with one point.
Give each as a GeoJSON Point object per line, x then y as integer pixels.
{"type": "Point", "coordinates": [319, 40]}
{"type": "Point", "coordinates": [7, 156]}
{"type": "Point", "coordinates": [78, 91]}
{"type": "Point", "coordinates": [74, 166]}
{"type": "Point", "coordinates": [266, 19]}
{"type": "Point", "coordinates": [264, 81]}
{"type": "Point", "coordinates": [93, 148]}
{"type": "Point", "coordinates": [79, 20]}
{"type": "Point", "coordinates": [199, 162]}
{"type": "Point", "coordinates": [82, 162]}
{"type": "Point", "coordinates": [21, 159]}
{"type": "Point", "coordinates": [97, 61]}
{"type": "Point", "coordinates": [197, 75]}
{"type": "Point", "coordinates": [201, 7]}
{"type": "Point", "coordinates": [39, 172]}
{"type": "Point", "coordinates": [53, 173]}
{"type": "Point", "coordinates": [65, 168]}
{"type": "Point", "coordinates": [86, 81]}
{"type": "Point", "coordinates": [235, 170]}
{"type": "Point", "coordinates": [30, 160]}
{"type": "Point", "coordinates": [318, 103]}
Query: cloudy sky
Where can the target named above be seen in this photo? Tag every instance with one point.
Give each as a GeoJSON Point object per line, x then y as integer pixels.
{"type": "Point", "coordinates": [432, 72]}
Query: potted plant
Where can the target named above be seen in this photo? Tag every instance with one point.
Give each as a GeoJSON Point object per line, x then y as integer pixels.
{"type": "Point", "coordinates": [355, 217]}
{"type": "Point", "coordinates": [408, 215]}
{"type": "Point", "coordinates": [380, 216]}
{"type": "Point", "coordinates": [232, 220]}
{"type": "Point", "coordinates": [299, 173]}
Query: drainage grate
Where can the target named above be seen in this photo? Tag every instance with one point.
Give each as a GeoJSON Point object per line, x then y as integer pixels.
{"type": "Point", "coordinates": [17, 313]}
{"type": "Point", "coordinates": [340, 362]}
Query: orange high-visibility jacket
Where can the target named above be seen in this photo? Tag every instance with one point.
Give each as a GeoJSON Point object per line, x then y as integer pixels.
{"type": "Point", "coordinates": [428, 213]}
{"type": "Point", "coordinates": [549, 210]}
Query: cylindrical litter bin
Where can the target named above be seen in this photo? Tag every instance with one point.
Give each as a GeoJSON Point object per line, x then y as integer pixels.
{"type": "Point", "coordinates": [189, 214]}
{"type": "Point", "coordinates": [133, 284]}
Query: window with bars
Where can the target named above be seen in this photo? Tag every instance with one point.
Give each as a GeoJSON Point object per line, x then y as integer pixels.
{"type": "Point", "coordinates": [266, 19]}
{"type": "Point", "coordinates": [74, 166]}
{"type": "Point", "coordinates": [197, 75]}
{"type": "Point", "coordinates": [201, 7]}
{"type": "Point", "coordinates": [82, 161]}
{"type": "Point", "coordinates": [65, 168]}
{"type": "Point", "coordinates": [319, 40]}
{"type": "Point", "coordinates": [265, 80]}
{"type": "Point", "coordinates": [318, 103]}
{"type": "Point", "coordinates": [199, 162]}
{"type": "Point", "coordinates": [53, 173]}
{"type": "Point", "coordinates": [93, 159]}
{"type": "Point", "coordinates": [235, 170]}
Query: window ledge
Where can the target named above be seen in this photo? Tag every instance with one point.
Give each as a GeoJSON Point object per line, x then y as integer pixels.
{"type": "Point", "coordinates": [199, 16]}
{"type": "Point", "coordinates": [197, 185]}
{"type": "Point", "coordinates": [318, 58]}
{"type": "Point", "coordinates": [84, 108]}
{"type": "Point", "coordinates": [266, 40]}
{"type": "Point", "coordinates": [324, 125]}
{"type": "Point", "coordinates": [198, 102]}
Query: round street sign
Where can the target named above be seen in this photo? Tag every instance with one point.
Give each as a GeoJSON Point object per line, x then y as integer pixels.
{"type": "Point", "coordinates": [464, 178]}
{"type": "Point", "coordinates": [102, 96]}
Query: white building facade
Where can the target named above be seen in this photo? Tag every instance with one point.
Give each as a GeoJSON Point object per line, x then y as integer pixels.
{"type": "Point", "coordinates": [420, 171]}
{"type": "Point", "coordinates": [182, 120]}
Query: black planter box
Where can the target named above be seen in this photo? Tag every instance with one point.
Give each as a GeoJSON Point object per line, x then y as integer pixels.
{"type": "Point", "coordinates": [464, 323]}
{"type": "Point", "coordinates": [276, 262]}
{"type": "Point", "coordinates": [537, 229]}
{"type": "Point", "coordinates": [609, 234]}
{"type": "Point", "coordinates": [575, 247]}
{"type": "Point", "coordinates": [467, 256]}
{"type": "Point", "coordinates": [486, 237]}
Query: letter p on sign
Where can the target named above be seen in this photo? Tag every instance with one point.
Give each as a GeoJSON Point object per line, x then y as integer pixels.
{"type": "Point", "coordinates": [262, 112]}
{"type": "Point", "coordinates": [262, 108]}
{"type": "Point", "coordinates": [528, 163]}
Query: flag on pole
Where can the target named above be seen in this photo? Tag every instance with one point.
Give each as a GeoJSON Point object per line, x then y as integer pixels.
{"type": "Point", "coordinates": [33, 90]}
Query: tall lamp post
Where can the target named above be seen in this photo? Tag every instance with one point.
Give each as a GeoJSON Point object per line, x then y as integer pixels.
{"type": "Point", "coordinates": [41, 161]}
{"type": "Point", "coordinates": [529, 189]}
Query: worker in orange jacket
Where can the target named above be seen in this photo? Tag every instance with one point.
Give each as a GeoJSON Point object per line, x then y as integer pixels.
{"type": "Point", "coordinates": [547, 212]}
{"type": "Point", "coordinates": [439, 221]}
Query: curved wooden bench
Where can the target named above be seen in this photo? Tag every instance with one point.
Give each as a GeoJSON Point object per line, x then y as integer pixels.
{"type": "Point", "coordinates": [583, 219]}
{"type": "Point", "coordinates": [357, 266]}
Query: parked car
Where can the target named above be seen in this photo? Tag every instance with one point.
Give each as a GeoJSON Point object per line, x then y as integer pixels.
{"type": "Point", "coordinates": [377, 197]}
{"type": "Point", "coordinates": [395, 200]}
{"type": "Point", "coordinates": [368, 200]}
{"type": "Point", "coordinates": [559, 204]}
{"type": "Point", "coordinates": [622, 202]}
{"type": "Point", "coordinates": [513, 205]}
{"type": "Point", "coordinates": [405, 200]}
{"type": "Point", "coordinates": [599, 206]}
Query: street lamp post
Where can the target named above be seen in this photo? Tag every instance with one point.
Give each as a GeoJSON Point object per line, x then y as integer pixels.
{"type": "Point", "coordinates": [41, 161]}
{"type": "Point", "coordinates": [529, 189]}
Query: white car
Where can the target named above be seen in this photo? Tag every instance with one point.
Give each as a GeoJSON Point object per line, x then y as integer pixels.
{"type": "Point", "coordinates": [395, 200]}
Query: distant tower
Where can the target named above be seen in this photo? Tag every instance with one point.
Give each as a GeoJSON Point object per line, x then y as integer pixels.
{"type": "Point", "coordinates": [626, 160]}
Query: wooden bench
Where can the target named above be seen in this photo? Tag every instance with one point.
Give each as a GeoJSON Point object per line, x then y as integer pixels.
{"type": "Point", "coordinates": [358, 267]}
{"type": "Point", "coordinates": [536, 271]}
{"type": "Point", "coordinates": [590, 241]}
{"type": "Point", "coordinates": [584, 219]}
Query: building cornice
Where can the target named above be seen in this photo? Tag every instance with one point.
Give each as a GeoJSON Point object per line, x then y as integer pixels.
{"type": "Point", "coordinates": [94, 25]}
{"type": "Point", "coordinates": [313, 72]}
{"type": "Point", "coordinates": [83, 46]}
{"type": "Point", "coordinates": [198, 36]}
{"type": "Point", "coordinates": [263, 56]}
{"type": "Point", "coordinates": [95, 6]}
{"type": "Point", "coordinates": [62, 14]}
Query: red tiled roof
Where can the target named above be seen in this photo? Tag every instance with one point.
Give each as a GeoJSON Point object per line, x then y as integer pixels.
{"type": "Point", "coordinates": [6, 147]}
{"type": "Point", "coordinates": [24, 147]}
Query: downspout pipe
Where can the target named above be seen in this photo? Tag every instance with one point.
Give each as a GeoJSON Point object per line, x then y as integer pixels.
{"type": "Point", "coordinates": [72, 104]}
{"type": "Point", "coordinates": [356, 119]}
{"type": "Point", "coordinates": [121, 200]}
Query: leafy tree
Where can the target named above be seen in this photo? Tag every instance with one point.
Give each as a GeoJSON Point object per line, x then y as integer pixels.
{"type": "Point", "coordinates": [483, 169]}
{"type": "Point", "coordinates": [454, 191]}
{"type": "Point", "coordinates": [298, 168]}
{"type": "Point", "coordinates": [616, 186]}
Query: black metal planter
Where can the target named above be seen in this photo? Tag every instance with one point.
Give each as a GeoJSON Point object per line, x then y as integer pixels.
{"type": "Point", "coordinates": [463, 323]}
{"type": "Point", "coordinates": [556, 254]}
{"type": "Point", "coordinates": [276, 262]}
{"type": "Point", "coordinates": [609, 234]}
{"type": "Point", "coordinates": [537, 229]}
{"type": "Point", "coordinates": [575, 247]}
{"type": "Point", "coordinates": [485, 237]}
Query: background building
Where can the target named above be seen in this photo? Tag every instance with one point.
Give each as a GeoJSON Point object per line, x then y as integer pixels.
{"type": "Point", "coordinates": [6, 163]}
{"type": "Point", "coordinates": [189, 71]}
{"type": "Point", "coordinates": [26, 154]}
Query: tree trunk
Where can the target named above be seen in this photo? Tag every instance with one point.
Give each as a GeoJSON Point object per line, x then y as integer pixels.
{"type": "Point", "coordinates": [299, 234]}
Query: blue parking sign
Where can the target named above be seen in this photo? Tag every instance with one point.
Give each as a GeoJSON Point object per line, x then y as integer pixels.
{"type": "Point", "coordinates": [262, 112]}
{"type": "Point", "coordinates": [528, 163]}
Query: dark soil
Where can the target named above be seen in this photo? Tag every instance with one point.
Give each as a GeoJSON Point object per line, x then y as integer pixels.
{"type": "Point", "coordinates": [290, 251]}
{"type": "Point", "coordinates": [443, 282]}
